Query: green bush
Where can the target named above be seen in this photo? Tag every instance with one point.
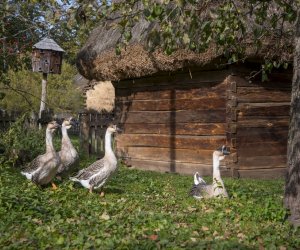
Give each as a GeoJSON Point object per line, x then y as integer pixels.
{"type": "Point", "coordinates": [21, 143]}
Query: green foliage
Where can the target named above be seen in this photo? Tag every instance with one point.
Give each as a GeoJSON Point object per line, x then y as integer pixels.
{"type": "Point", "coordinates": [142, 210]}
{"type": "Point", "coordinates": [23, 93]}
{"type": "Point", "coordinates": [21, 143]}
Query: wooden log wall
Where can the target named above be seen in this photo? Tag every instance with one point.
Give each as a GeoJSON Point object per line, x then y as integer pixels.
{"type": "Point", "coordinates": [259, 125]}
{"type": "Point", "coordinates": [172, 123]}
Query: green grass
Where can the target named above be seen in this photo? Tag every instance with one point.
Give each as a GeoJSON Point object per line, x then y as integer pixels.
{"type": "Point", "coordinates": [142, 210]}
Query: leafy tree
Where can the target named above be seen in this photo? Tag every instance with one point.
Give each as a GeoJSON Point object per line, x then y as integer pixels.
{"type": "Point", "coordinates": [62, 96]}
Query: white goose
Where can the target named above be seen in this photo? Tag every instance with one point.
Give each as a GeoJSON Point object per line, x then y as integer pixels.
{"type": "Point", "coordinates": [96, 175]}
{"type": "Point", "coordinates": [216, 189]}
{"type": "Point", "coordinates": [43, 168]}
{"type": "Point", "coordinates": [68, 154]}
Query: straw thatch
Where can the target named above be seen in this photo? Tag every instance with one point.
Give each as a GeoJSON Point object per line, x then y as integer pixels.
{"type": "Point", "coordinates": [101, 97]}
{"type": "Point", "coordinates": [98, 60]}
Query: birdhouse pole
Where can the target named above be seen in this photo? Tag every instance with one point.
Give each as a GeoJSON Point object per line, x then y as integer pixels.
{"type": "Point", "coordinates": [46, 58]}
{"type": "Point", "coordinates": [43, 97]}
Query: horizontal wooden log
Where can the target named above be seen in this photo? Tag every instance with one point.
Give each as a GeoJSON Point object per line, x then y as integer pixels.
{"type": "Point", "coordinates": [186, 78]}
{"type": "Point", "coordinates": [171, 167]}
{"type": "Point", "coordinates": [176, 129]}
{"type": "Point", "coordinates": [263, 109]}
{"type": "Point", "coordinates": [172, 92]}
{"type": "Point", "coordinates": [262, 173]}
{"type": "Point", "coordinates": [172, 117]}
{"type": "Point", "coordinates": [246, 135]}
{"type": "Point", "coordinates": [168, 154]}
{"type": "Point", "coordinates": [262, 149]}
{"type": "Point", "coordinates": [202, 102]}
{"type": "Point", "coordinates": [264, 123]}
{"type": "Point", "coordinates": [283, 83]}
{"type": "Point", "coordinates": [262, 161]}
{"type": "Point", "coordinates": [262, 95]}
{"type": "Point", "coordinates": [166, 141]}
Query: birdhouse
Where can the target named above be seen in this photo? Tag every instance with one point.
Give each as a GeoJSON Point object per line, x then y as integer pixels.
{"type": "Point", "coordinates": [47, 57]}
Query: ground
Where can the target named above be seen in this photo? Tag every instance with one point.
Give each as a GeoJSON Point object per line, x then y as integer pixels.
{"type": "Point", "coordinates": [142, 210]}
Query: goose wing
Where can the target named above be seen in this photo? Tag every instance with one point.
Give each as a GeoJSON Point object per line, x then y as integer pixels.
{"type": "Point", "coordinates": [33, 165]}
{"type": "Point", "coordinates": [88, 172]}
{"type": "Point", "coordinates": [200, 191]}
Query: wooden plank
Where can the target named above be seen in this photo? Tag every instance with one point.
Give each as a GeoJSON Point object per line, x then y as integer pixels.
{"type": "Point", "coordinates": [203, 102]}
{"type": "Point", "coordinates": [158, 92]}
{"type": "Point", "coordinates": [176, 78]}
{"type": "Point", "coordinates": [246, 135]}
{"type": "Point", "coordinates": [274, 83]}
{"type": "Point", "coordinates": [263, 109]}
{"type": "Point", "coordinates": [167, 154]}
{"type": "Point", "coordinates": [172, 117]}
{"type": "Point", "coordinates": [176, 129]}
{"type": "Point", "coordinates": [167, 167]}
{"type": "Point", "coordinates": [262, 95]}
{"type": "Point", "coordinates": [262, 173]}
{"type": "Point", "coordinates": [262, 149]}
{"type": "Point", "coordinates": [166, 141]}
{"type": "Point", "coordinates": [264, 123]}
{"type": "Point", "coordinates": [254, 162]}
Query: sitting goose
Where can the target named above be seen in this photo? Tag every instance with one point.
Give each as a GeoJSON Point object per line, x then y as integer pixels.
{"type": "Point", "coordinates": [68, 154]}
{"type": "Point", "coordinates": [217, 189]}
{"type": "Point", "coordinates": [95, 176]}
{"type": "Point", "coordinates": [43, 168]}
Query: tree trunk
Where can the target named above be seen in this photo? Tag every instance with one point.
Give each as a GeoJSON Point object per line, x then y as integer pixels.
{"type": "Point", "coordinates": [43, 97]}
{"type": "Point", "coordinates": [292, 186]}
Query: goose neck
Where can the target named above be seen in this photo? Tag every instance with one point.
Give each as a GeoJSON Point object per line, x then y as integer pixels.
{"type": "Point", "coordinates": [216, 167]}
{"type": "Point", "coordinates": [108, 149]}
{"type": "Point", "coordinates": [49, 143]}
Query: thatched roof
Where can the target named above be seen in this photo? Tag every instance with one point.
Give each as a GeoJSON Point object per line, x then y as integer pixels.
{"type": "Point", "coordinates": [98, 59]}
{"type": "Point", "coordinates": [100, 97]}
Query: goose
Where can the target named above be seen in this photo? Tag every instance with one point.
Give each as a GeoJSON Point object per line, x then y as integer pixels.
{"type": "Point", "coordinates": [68, 154]}
{"type": "Point", "coordinates": [201, 189]}
{"type": "Point", "coordinates": [43, 168]}
{"type": "Point", "coordinates": [96, 175]}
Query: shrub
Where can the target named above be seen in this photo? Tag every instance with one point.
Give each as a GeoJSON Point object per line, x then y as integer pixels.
{"type": "Point", "coordinates": [20, 143]}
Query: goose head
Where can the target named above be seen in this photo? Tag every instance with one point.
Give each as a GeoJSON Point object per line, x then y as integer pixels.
{"type": "Point", "coordinates": [52, 126]}
{"type": "Point", "coordinates": [113, 129]}
{"type": "Point", "coordinates": [68, 123]}
{"type": "Point", "coordinates": [221, 152]}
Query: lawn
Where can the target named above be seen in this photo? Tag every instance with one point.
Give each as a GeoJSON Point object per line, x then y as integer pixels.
{"type": "Point", "coordinates": [142, 210]}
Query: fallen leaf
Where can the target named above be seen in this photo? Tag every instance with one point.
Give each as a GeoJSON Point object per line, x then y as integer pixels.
{"type": "Point", "coordinates": [204, 228]}
{"type": "Point", "coordinates": [241, 235]}
{"type": "Point", "coordinates": [193, 239]}
{"type": "Point", "coordinates": [282, 248]}
{"type": "Point", "coordinates": [105, 216]}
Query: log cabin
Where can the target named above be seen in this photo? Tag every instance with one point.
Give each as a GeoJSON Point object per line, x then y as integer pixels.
{"type": "Point", "coordinates": [175, 110]}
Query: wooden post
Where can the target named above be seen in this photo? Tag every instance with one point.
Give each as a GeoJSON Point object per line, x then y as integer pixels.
{"type": "Point", "coordinates": [85, 133]}
{"type": "Point", "coordinates": [43, 97]}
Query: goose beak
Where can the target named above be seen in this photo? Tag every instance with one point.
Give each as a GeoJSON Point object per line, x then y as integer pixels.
{"type": "Point", "coordinates": [226, 150]}
{"type": "Point", "coordinates": [119, 130]}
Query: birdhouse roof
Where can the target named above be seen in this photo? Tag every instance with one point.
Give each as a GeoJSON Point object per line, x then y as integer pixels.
{"type": "Point", "coordinates": [48, 44]}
